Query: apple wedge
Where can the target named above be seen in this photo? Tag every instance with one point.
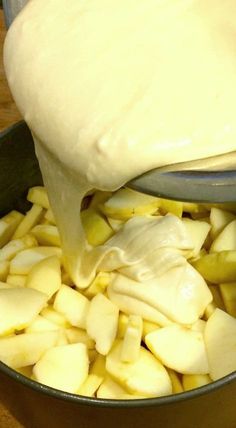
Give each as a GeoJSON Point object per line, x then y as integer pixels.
{"type": "Point", "coordinates": [226, 240]}
{"type": "Point", "coordinates": [45, 276]}
{"type": "Point", "coordinates": [49, 216]}
{"type": "Point", "coordinates": [132, 339]}
{"type": "Point", "coordinates": [98, 285]}
{"type": "Point", "coordinates": [127, 203]}
{"type": "Point", "coordinates": [90, 386]}
{"type": "Point", "coordinates": [96, 227]}
{"type": "Point", "coordinates": [8, 225]}
{"type": "Point", "coordinates": [146, 376]}
{"type": "Point", "coordinates": [63, 367]}
{"type": "Point", "coordinates": [4, 270]}
{"type": "Point", "coordinates": [47, 234]}
{"type": "Point", "coordinates": [198, 231]}
{"type": "Point", "coordinates": [219, 219]}
{"type": "Point", "coordinates": [73, 305]}
{"type": "Point", "coordinates": [38, 195]}
{"type": "Point", "coordinates": [50, 314]}
{"type": "Point", "coordinates": [195, 381]}
{"type": "Point", "coordinates": [23, 262]}
{"type": "Point", "coordinates": [217, 268]}
{"type": "Point", "coordinates": [179, 348]}
{"type": "Point", "coordinates": [16, 280]}
{"type": "Point", "coordinates": [177, 386]}
{"type": "Point", "coordinates": [220, 339]}
{"type": "Point", "coordinates": [16, 245]}
{"type": "Point", "coordinates": [32, 217]}
{"type": "Point", "coordinates": [111, 390]}
{"type": "Point", "coordinates": [26, 349]}
{"type": "Point", "coordinates": [18, 308]}
{"type": "Point", "coordinates": [40, 324]}
{"type": "Point", "coordinates": [122, 325]}
{"type": "Point", "coordinates": [102, 323]}
{"type": "Point", "coordinates": [77, 335]}
{"type": "Point", "coordinates": [228, 293]}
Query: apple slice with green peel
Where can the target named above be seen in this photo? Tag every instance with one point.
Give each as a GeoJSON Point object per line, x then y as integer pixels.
{"type": "Point", "coordinates": [16, 245]}
{"type": "Point", "coordinates": [47, 234]}
{"type": "Point", "coordinates": [96, 227]}
{"type": "Point", "coordinates": [40, 324]}
{"type": "Point", "coordinates": [8, 225]}
{"type": "Point", "coordinates": [73, 305]}
{"type": "Point", "coordinates": [111, 390]}
{"type": "Point", "coordinates": [18, 308]}
{"type": "Point", "coordinates": [226, 240]}
{"type": "Point", "coordinates": [220, 339]}
{"type": "Point", "coordinates": [26, 349]}
{"type": "Point", "coordinates": [77, 335]}
{"type": "Point", "coordinates": [195, 381]}
{"type": "Point", "coordinates": [38, 195]}
{"type": "Point", "coordinates": [132, 339]}
{"type": "Point", "coordinates": [179, 348]}
{"type": "Point", "coordinates": [102, 323]}
{"type": "Point", "coordinates": [198, 231]}
{"type": "Point", "coordinates": [45, 276]}
{"type": "Point", "coordinates": [127, 203]}
{"type": "Point", "coordinates": [146, 376]}
{"type": "Point", "coordinates": [217, 268]}
{"type": "Point", "coordinates": [228, 293]}
{"type": "Point", "coordinates": [63, 367]}
{"type": "Point", "coordinates": [32, 217]}
{"type": "Point", "coordinates": [219, 219]}
{"type": "Point", "coordinates": [26, 259]}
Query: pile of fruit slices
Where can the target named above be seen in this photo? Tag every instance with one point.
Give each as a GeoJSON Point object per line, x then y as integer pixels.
{"type": "Point", "coordinates": [98, 342]}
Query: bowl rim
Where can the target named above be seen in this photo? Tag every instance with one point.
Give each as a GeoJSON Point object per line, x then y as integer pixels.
{"type": "Point", "coordinates": [102, 402]}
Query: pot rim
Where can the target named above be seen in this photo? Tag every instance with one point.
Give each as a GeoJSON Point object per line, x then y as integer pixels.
{"type": "Point", "coordinates": [100, 402]}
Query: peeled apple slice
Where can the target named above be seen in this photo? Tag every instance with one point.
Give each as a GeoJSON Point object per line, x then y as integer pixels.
{"type": "Point", "coordinates": [175, 380]}
{"type": "Point", "coordinates": [77, 335]}
{"type": "Point", "coordinates": [18, 308]}
{"type": "Point", "coordinates": [179, 348]}
{"type": "Point", "coordinates": [219, 219]}
{"type": "Point", "coordinates": [96, 227]}
{"type": "Point", "coordinates": [50, 314]}
{"type": "Point", "coordinates": [132, 339]}
{"type": "Point", "coordinates": [63, 367]}
{"type": "Point", "coordinates": [198, 231]}
{"type": "Point", "coordinates": [16, 245]}
{"type": "Point", "coordinates": [73, 305]}
{"type": "Point", "coordinates": [41, 324]}
{"type": "Point", "coordinates": [228, 293]}
{"type": "Point", "coordinates": [102, 323]}
{"type": "Point", "coordinates": [98, 285]}
{"type": "Point", "coordinates": [17, 280]}
{"type": "Point", "coordinates": [25, 260]}
{"type": "Point", "coordinates": [217, 267]}
{"type": "Point", "coordinates": [32, 217]}
{"type": "Point", "coordinates": [127, 203]}
{"type": "Point", "coordinates": [226, 240]}
{"type": "Point", "coordinates": [8, 225]}
{"type": "Point", "coordinates": [4, 269]}
{"type": "Point", "coordinates": [45, 276]}
{"type": "Point", "coordinates": [220, 339]}
{"type": "Point", "coordinates": [26, 349]}
{"type": "Point", "coordinates": [4, 285]}
{"type": "Point", "coordinates": [146, 376]}
{"type": "Point", "coordinates": [90, 386]}
{"type": "Point", "coordinates": [38, 195]}
{"type": "Point", "coordinates": [47, 234]}
{"type": "Point", "coordinates": [195, 381]}
{"type": "Point", "coordinates": [173, 207]}
{"type": "Point", "coordinates": [111, 390]}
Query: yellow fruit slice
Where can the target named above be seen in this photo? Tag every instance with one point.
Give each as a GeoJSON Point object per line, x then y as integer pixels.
{"type": "Point", "coordinates": [96, 227]}
{"type": "Point", "coordinates": [90, 386]}
{"type": "Point", "coordinates": [32, 217]}
{"type": "Point", "coordinates": [228, 293]}
{"type": "Point", "coordinates": [4, 270]}
{"type": "Point", "coordinates": [49, 216]}
{"type": "Point", "coordinates": [73, 305]}
{"type": "Point", "coordinates": [77, 335]}
{"type": "Point", "coordinates": [217, 267]}
{"type": "Point", "coordinates": [219, 219]}
{"type": "Point", "coordinates": [23, 262]}
{"type": "Point", "coordinates": [46, 234]}
{"type": "Point", "coordinates": [132, 339]}
{"type": "Point", "coordinates": [45, 276]}
{"type": "Point", "coordinates": [8, 225]}
{"type": "Point", "coordinates": [16, 245]}
{"type": "Point", "coordinates": [173, 207]}
{"type": "Point", "coordinates": [226, 240]}
{"type": "Point", "coordinates": [195, 381]}
{"type": "Point", "coordinates": [17, 280]}
{"type": "Point", "coordinates": [41, 324]}
{"type": "Point", "coordinates": [99, 284]}
{"type": "Point", "coordinates": [176, 383]}
{"type": "Point", "coordinates": [50, 314]}
{"type": "Point", "coordinates": [38, 195]}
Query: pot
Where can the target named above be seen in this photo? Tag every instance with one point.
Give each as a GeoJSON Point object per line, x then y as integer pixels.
{"type": "Point", "coordinates": [39, 406]}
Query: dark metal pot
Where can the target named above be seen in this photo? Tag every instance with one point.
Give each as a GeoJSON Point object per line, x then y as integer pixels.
{"type": "Point", "coordinates": [38, 406]}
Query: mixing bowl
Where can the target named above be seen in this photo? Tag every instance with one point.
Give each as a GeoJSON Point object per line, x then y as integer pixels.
{"type": "Point", "coordinates": [38, 406]}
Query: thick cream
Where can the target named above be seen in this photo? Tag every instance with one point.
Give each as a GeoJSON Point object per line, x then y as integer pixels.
{"type": "Point", "coordinates": [111, 89]}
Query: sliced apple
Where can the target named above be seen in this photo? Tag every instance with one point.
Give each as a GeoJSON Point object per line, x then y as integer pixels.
{"type": "Point", "coordinates": [195, 381]}
{"type": "Point", "coordinates": [63, 367]}
{"type": "Point", "coordinates": [47, 234]}
{"type": "Point", "coordinates": [146, 376]}
{"type": "Point", "coordinates": [32, 217]}
{"type": "Point", "coordinates": [49, 216]}
{"type": "Point", "coordinates": [102, 323]}
{"type": "Point", "coordinates": [17, 280]}
{"type": "Point", "coordinates": [40, 324]}
{"type": "Point", "coordinates": [99, 197]}
{"type": "Point", "coordinates": [4, 285]}
{"type": "Point", "coordinates": [115, 224]}
{"type": "Point", "coordinates": [8, 225]}
{"type": "Point", "coordinates": [25, 371]}
{"type": "Point", "coordinates": [220, 339]}
{"type": "Point", "coordinates": [217, 267]}
{"type": "Point", "coordinates": [173, 207]}
{"type": "Point", "coordinates": [179, 348]}
{"type": "Point", "coordinates": [122, 325]}
{"type": "Point", "coordinates": [199, 325]}
{"type": "Point", "coordinates": [198, 231]}
{"type": "Point", "coordinates": [127, 203]}
{"type": "Point", "coordinates": [219, 219]}
{"type": "Point", "coordinates": [77, 335]}
{"type": "Point", "coordinates": [4, 270]}
{"type": "Point", "coordinates": [99, 284]}
{"type": "Point", "coordinates": [228, 293]}
{"type": "Point", "coordinates": [38, 195]}
{"type": "Point", "coordinates": [90, 386]}
{"type": "Point", "coordinates": [50, 314]}
{"type": "Point", "coordinates": [148, 327]}
{"type": "Point", "coordinates": [73, 305]}
{"type": "Point", "coordinates": [111, 390]}
{"type": "Point", "coordinates": [96, 227]}
{"type": "Point", "coordinates": [132, 339]}
{"type": "Point", "coordinates": [26, 349]}
{"type": "Point", "coordinates": [177, 386]}
{"type": "Point", "coordinates": [226, 240]}
{"type": "Point", "coordinates": [18, 308]}
{"type": "Point", "coordinates": [14, 246]}
{"type": "Point", "coordinates": [99, 366]}
{"type": "Point", "coordinates": [45, 276]}
{"type": "Point", "coordinates": [23, 262]}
